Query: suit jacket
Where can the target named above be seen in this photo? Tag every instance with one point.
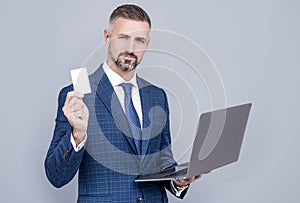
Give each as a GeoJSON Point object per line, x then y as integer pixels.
{"type": "Point", "coordinates": [108, 163]}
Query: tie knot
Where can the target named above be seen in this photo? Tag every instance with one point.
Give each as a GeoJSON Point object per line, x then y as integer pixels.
{"type": "Point", "coordinates": [127, 87]}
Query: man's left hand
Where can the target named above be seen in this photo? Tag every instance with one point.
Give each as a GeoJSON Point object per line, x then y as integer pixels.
{"type": "Point", "coordinates": [185, 182]}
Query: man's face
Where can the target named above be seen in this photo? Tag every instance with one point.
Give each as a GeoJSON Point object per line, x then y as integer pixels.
{"type": "Point", "coordinates": [127, 43]}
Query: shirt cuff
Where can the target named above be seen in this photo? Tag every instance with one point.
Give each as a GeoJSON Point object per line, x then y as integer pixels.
{"type": "Point", "coordinates": [81, 144]}
{"type": "Point", "coordinates": [177, 190]}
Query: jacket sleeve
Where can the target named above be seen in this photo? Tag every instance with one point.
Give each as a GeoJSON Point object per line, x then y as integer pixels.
{"type": "Point", "coordinates": [166, 155]}
{"type": "Point", "coordinates": [62, 162]}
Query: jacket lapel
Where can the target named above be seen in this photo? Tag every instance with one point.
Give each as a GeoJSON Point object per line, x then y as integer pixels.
{"type": "Point", "coordinates": [107, 95]}
{"type": "Point", "coordinates": [146, 103]}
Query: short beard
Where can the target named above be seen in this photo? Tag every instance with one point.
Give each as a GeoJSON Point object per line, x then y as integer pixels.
{"type": "Point", "coordinates": [126, 66]}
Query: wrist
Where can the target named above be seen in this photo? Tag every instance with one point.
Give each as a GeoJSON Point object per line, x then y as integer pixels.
{"type": "Point", "coordinates": [78, 136]}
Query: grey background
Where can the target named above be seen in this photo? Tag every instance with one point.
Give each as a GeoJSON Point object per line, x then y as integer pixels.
{"type": "Point", "coordinates": [254, 44]}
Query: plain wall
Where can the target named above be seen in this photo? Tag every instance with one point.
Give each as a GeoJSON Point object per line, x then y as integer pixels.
{"type": "Point", "coordinates": [254, 45]}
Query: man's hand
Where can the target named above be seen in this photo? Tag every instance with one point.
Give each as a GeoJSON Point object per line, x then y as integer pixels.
{"type": "Point", "coordinates": [77, 114]}
{"type": "Point", "coordinates": [185, 182]}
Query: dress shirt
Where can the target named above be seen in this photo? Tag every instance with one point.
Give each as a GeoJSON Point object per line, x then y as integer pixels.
{"type": "Point", "coordinates": [115, 81]}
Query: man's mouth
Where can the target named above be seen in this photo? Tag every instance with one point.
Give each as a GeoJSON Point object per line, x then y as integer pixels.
{"type": "Point", "coordinates": [129, 57]}
{"type": "Point", "coordinates": [127, 61]}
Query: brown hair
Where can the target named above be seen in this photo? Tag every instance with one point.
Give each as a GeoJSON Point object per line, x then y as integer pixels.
{"type": "Point", "coordinates": [131, 12]}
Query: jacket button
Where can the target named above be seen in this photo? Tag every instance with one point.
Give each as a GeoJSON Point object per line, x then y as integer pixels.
{"type": "Point", "coordinates": [139, 200]}
{"type": "Point", "coordinates": [66, 154]}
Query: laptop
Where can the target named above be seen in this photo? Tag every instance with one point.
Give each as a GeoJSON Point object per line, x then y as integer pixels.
{"type": "Point", "coordinates": [217, 143]}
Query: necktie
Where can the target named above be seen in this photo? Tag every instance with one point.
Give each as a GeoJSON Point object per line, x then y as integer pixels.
{"type": "Point", "coordinates": [132, 116]}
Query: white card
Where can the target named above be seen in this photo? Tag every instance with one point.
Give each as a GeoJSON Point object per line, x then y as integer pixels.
{"type": "Point", "coordinates": [80, 80]}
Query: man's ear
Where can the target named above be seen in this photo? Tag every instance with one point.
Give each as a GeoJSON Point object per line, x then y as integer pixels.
{"type": "Point", "coordinates": [106, 36]}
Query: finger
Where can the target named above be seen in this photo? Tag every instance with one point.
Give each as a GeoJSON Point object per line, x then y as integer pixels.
{"type": "Point", "coordinates": [73, 94]}
{"type": "Point", "coordinates": [181, 182]}
{"type": "Point", "coordinates": [71, 108]}
{"type": "Point", "coordinates": [78, 95]}
{"type": "Point", "coordinates": [76, 111]}
{"type": "Point", "coordinates": [76, 114]}
{"type": "Point", "coordinates": [76, 107]}
{"type": "Point", "coordinates": [175, 182]}
{"type": "Point", "coordinates": [76, 122]}
{"type": "Point", "coordinates": [188, 181]}
{"type": "Point", "coordinates": [75, 101]}
{"type": "Point", "coordinates": [197, 177]}
{"type": "Point", "coordinates": [69, 97]}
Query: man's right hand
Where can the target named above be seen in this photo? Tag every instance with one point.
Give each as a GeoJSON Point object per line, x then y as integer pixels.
{"type": "Point", "coordinates": [77, 114]}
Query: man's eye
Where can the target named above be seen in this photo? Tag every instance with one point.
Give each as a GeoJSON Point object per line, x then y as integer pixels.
{"type": "Point", "coordinates": [141, 41]}
{"type": "Point", "coordinates": [123, 37]}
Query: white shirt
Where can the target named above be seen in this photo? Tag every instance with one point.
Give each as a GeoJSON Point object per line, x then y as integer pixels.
{"type": "Point", "coordinates": [116, 80]}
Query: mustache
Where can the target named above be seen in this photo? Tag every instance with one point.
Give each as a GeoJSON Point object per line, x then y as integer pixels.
{"type": "Point", "coordinates": [126, 53]}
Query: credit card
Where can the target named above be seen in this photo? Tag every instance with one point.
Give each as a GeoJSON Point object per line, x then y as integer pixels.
{"type": "Point", "coordinates": [80, 80]}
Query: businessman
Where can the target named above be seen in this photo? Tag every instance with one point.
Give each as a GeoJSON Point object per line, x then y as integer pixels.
{"type": "Point", "coordinates": [118, 132]}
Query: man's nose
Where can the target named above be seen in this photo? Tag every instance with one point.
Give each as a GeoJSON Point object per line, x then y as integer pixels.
{"type": "Point", "coordinates": [131, 46]}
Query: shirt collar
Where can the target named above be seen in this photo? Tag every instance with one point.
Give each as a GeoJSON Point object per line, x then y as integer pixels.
{"type": "Point", "coordinates": [115, 79]}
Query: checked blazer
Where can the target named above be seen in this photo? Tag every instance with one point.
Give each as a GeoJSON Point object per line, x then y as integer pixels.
{"type": "Point", "coordinates": [108, 164]}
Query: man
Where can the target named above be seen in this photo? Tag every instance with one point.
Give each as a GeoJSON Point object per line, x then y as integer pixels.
{"type": "Point", "coordinates": [121, 130]}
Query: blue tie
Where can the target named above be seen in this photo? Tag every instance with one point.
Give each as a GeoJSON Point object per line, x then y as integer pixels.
{"type": "Point", "coordinates": [132, 116]}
